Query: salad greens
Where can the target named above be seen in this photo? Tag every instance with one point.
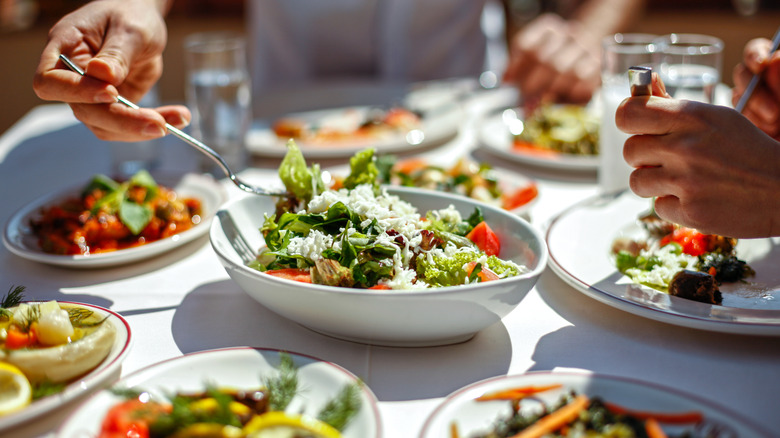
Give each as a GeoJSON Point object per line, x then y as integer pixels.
{"type": "Point", "coordinates": [360, 236]}
{"type": "Point", "coordinates": [131, 205]}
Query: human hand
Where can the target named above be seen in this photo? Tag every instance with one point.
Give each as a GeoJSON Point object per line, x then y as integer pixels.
{"type": "Point", "coordinates": [763, 107]}
{"type": "Point", "coordinates": [119, 44]}
{"type": "Point", "coordinates": [554, 60]}
{"type": "Point", "coordinates": [708, 166]}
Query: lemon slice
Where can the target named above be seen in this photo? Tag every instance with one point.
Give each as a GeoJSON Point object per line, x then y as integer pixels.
{"type": "Point", "coordinates": [279, 424]}
{"type": "Point", "coordinates": [15, 389]}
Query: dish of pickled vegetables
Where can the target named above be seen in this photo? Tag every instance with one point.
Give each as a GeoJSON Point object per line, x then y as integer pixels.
{"type": "Point", "coordinates": [558, 404]}
{"type": "Point", "coordinates": [360, 236]}
{"type": "Point", "coordinates": [52, 352]}
{"type": "Point", "coordinates": [235, 392]}
{"type": "Point", "coordinates": [105, 222]}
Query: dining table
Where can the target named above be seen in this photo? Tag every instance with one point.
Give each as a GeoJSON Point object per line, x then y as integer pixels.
{"type": "Point", "coordinates": [183, 301]}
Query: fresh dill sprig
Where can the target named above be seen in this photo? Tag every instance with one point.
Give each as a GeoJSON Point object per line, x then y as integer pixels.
{"type": "Point", "coordinates": [13, 298]}
{"type": "Point", "coordinates": [126, 393]}
{"type": "Point", "coordinates": [47, 388]}
{"type": "Point", "coordinates": [78, 315]}
{"type": "Point", "coordinates": [282, 388]}
{"type": "Point", "coordinates": [339, 411]}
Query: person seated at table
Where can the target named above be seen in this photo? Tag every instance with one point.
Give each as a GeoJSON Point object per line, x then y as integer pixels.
{"type": "Point", "coordinates": [709, 166]}
{"type": "Point", "coordinates": [120, 44]}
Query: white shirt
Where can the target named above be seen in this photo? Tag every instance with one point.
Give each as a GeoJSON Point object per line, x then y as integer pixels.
{"type": "Point", "coordinates": [294, 42]}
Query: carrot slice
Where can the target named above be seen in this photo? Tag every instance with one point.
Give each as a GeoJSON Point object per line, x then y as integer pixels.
{"type": "Point", "coordinates": [691, 417]}
{"type": "Point", "coordinates": [516, 393]}
{"type": "Point", "coordinates": [653, 429]}
{"type": "Point", "coordinates": [555, 420]}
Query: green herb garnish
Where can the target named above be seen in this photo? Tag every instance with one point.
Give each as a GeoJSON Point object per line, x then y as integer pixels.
{"type": "Point", "coordinates": [339, 411]}
{"type": "Point", "coordinates": [14, 296]}
{"type": "Point", "coordinates": [282, 388]}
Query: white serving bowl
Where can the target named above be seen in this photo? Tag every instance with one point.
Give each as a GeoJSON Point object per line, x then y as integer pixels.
{"type": "Point", "coordinates": [387, 317]}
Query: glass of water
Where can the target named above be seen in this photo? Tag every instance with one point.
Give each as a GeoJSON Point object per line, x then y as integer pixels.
{"type": "Point", "coordinates": [619, 52]}
{"type": "Point", "coordinates": [690, 65]}
{"type": "Point", "coordinates": [219, 95]}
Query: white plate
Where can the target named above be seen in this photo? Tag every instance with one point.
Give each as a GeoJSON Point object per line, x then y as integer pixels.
{"type": "Point", "coordinates": [95, 379]}
{"type": "Point", "coordinates": [495, 136]}
{"type": "Point", "coordinates": [580, 240]}
{"type": "Point", "coordinates": [441, 120]}
{"type": "Point", "coordinates": [20, 240]}
{"type": "Point", "coordinates": [241, 367]}
{"type": "Point", "coordinates": [472, 416]}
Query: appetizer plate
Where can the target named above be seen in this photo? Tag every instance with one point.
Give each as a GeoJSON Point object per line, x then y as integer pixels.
{"type": "Point", "coordinates": [424, 317]}
{"type": "Point", "coordinates": [93, 380]}
{"type": "Point", "coordinates": [440, 121]}
{"type": "Point", "coordinates": [18, 237]}
{"type": "Point", "coordinates": [473, 417]}
{"type": "Point", "coordinates": [495, 135]}
{"type": "Point", "coordinates": [580, 240]}
{"type": "Point", "coordinates": [240, 367]}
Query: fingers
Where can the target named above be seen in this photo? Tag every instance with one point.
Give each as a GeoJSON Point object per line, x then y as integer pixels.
{"type": "Point", "coordinates": [754, 54]}
{"type": "Point", "coordinates": [643, 115]}
{"type": "Point", "coordinates": [658, 86]}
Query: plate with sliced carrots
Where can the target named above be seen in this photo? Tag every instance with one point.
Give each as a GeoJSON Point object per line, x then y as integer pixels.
{"type": "Point", "coordinates": [538, 404]}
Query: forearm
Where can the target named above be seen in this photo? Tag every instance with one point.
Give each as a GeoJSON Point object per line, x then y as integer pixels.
{"type": "Point", "coordinates": [605, 17]}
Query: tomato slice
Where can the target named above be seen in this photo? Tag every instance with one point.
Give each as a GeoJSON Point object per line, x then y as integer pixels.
{"type": "Point", "coordinates": [485, 239]}
{"type": "Point", "coordinates": [293, 274]}
{"type": "Point", "coordinates": [519, 197]}
{"type": "Point", "coordinates": [692, 242]}
{"type": "Point", "coordinates": [130, 419]}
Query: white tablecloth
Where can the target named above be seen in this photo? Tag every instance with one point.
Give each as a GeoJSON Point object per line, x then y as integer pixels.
{"type": "Point", "coordinates": [183, 302]}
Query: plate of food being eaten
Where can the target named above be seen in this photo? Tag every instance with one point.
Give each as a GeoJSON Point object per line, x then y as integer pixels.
{"type": "Point", "coordinates": [615, 249]}
{"type": "Point", "coordinates": [105, 222]}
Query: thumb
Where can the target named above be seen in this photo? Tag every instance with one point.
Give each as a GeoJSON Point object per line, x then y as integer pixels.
{"type": "Point", "coordinates": [111, 63]}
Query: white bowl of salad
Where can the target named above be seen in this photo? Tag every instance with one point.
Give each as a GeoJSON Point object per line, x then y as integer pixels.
{"type": "Point", "coordinates": [380, 265]}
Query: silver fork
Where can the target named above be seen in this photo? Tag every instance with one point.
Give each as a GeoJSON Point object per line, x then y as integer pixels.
{"type": "Point", "coordinates": [192, 141]}
{"type": "Point", "coordinates": [236, 239]}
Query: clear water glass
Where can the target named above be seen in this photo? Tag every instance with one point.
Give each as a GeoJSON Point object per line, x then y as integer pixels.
{"type": "Point", "coordinates": [690, 65]}
{"type": "Point", "coordinates": [219, 96]}
{"type": "Point", "coordinates": [619, 53]}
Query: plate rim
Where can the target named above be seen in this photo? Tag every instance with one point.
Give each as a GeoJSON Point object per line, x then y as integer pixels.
{"type": "Point", "coordinates": [569, 162]}
{"type": "Point", "coordinates": [657, 314]}
{"type": "Point", "coordinates": [92, 381]}
{"type": "Point", "coordinates": [587, 375]}
{"type": "Point", "coordinates": [222, 351]}
{"type": "Point", "coordinates": [14, 224]}
{"type": "Point", "coordinates": [449, 113]}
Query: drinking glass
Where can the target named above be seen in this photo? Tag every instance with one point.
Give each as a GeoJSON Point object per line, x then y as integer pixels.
{"type": "Point", "coordinates": [619, 53]}
{"type": "Point", "coordinates": [690, 65]}
{"type": "Point", "coordinates": [219, 95]}
{"type": "Point", "coordinates": [128, 158]}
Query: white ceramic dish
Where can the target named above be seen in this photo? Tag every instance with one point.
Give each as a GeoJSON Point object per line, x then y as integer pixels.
{"type": "Point", "coordinates": [95, 379]}
{"type": "Point", "coordinates": [495, 136]}
{"type": "Point", "coordinates": [442, 116]}
{"type": "Point", "coordinates": [387, 317]}
{"type": "Point", "coordinates": [580, 239]}
{"type": "Point", "coordinates": [240, 367]}
{"type": "Point", "coordinates": [20, 240]}
{"type": "Point", "coordinates": [473, 417]}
